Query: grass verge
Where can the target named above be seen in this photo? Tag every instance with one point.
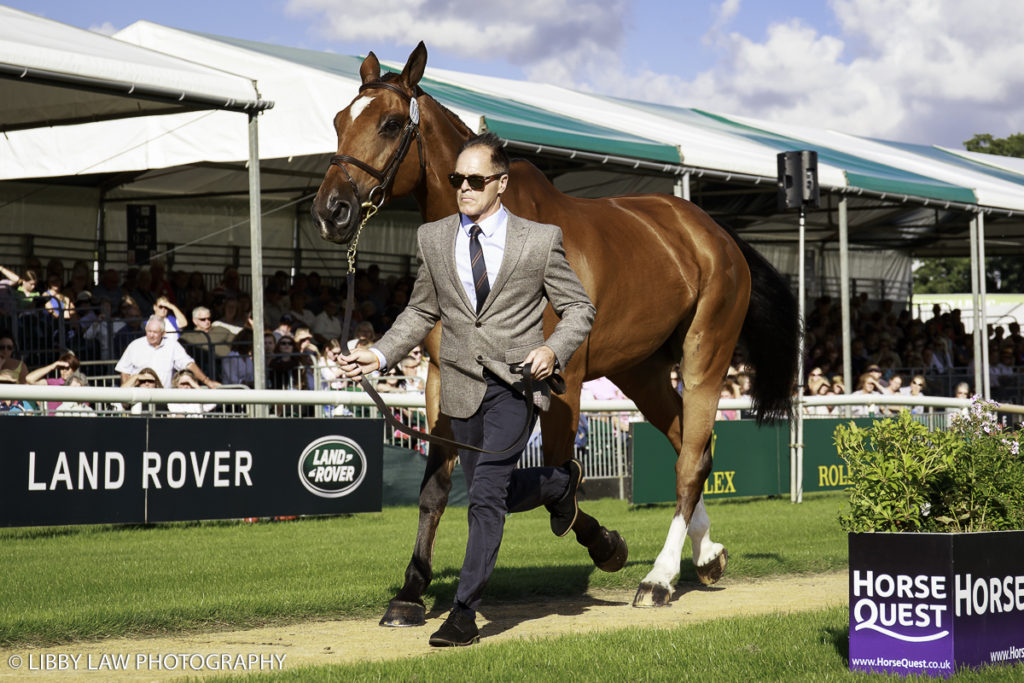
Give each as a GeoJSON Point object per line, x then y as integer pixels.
{"type": "Point", "coordinates": [810, 646]}
{"type": "Point", "coordinates": [68, 583]}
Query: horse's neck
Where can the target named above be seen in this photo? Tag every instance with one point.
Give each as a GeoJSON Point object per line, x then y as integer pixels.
{"type": "Point", "coordinates": [529, 190]}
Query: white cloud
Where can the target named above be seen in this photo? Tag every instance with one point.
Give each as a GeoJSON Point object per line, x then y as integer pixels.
{"type": "Point", "coordinates": [933, 71]}
{"type": "Point", "coordinates": [106, 28]}
{"type": "Point", "coordinates": [518, 31]}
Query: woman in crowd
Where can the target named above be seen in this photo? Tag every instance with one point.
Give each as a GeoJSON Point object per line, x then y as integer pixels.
{"type": "Point", "coordinates": [8, 360]}
{"type": "Point", "coordinates": [184, 379]}
{"type": "Point", "coordinates": [65, 366]}
{"type": "Point", "coordinates": [867, 385]}
{"type": "Point", "coordinates": [75, 408]}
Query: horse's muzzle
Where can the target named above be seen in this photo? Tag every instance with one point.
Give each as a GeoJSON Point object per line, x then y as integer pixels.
{"type": "Point", "coordinates": [336, 217]}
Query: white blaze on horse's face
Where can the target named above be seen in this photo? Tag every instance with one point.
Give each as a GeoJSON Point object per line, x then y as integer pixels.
{"type": "Point", "coordinates": [360, 105]}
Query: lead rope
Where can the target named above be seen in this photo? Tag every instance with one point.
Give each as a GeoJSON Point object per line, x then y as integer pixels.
{"type": "Point", "coordinates": [350, 279]}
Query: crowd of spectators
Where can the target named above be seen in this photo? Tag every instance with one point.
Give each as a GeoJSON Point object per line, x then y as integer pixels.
{"type": "Point", "coordinates": [63, 324]}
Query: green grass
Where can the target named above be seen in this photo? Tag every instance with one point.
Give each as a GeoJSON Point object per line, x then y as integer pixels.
{"type": "Point", "coordinates": [810, 646]}
{"type": "Point", "coordinates": [66, 583]}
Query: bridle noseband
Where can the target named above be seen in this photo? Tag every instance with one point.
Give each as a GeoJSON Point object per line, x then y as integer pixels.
{"type": "Point", "coordinates": [386, 177]}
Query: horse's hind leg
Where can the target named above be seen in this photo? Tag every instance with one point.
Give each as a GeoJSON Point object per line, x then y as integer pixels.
{"type": "Point", "coordinates": [687, 422]}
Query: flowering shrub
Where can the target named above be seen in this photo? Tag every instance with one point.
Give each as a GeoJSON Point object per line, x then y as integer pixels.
{"type": "Point", "coordinates": [967, 477]}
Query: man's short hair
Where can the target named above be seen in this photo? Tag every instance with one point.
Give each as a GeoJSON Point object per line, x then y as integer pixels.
{"type": "Point", "coordinates": [157, 319]}
{"type": "Point", "coordinates": [199, 310]}
{"type": "Point", "coordinates": [499, 159]}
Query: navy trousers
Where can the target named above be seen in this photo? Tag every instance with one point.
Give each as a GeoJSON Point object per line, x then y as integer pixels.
{"type": "Point", "coordinates": [495, 486]}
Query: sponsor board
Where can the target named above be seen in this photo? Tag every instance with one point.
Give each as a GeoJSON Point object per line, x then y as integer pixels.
{"type": "Point", "coordinates": [88, 470]}
{"type": "Point", "coordinates": [933, 603]}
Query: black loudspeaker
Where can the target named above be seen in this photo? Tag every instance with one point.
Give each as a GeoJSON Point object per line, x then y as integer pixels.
{"type": "Point", "coordinates": [798, 180]}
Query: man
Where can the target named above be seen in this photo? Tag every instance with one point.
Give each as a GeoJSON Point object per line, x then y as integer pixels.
{"type": "Point", "coordinates": [327, 325]}
{"type": "Point", "coordinates": [165, 356]}
{"type": "Point", "coordinates": [487, 276]}
{"type": "Point", "coordinates": [205, 333]}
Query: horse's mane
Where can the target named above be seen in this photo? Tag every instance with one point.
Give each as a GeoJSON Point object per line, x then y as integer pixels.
{"type": "Point", "coordinates": [452, 116]}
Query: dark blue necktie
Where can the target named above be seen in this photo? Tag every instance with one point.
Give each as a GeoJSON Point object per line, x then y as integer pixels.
{"type": "Point", "coordinates": [476, 260]}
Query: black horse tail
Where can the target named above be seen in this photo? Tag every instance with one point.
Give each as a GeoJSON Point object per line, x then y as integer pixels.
{"type": "Point", "coordinates": [770, 337]}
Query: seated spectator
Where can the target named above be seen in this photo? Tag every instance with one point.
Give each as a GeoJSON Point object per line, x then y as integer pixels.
{"type": "Point", "coordinates": [108, 289]}
{"type": "Point", "coordinates": [143, 292]}
{"type": "Point", "coordinates": [298, 309]}
{"type": "Point", "coordinates": [132, 326]}
{"type": "Point", "coordinates": [228, 286]}
{"type": "Point", "coordinates": [817, 385]}
{"type": "Point", "coordinates": [174, 319]}
{"type": "Point", "coordinates": [867, 385]}
{"type": "Point", "coordinates": [916, 388]}
{"type": "Point", "coordinates": [237, 366]}
{"type": "Point", "coordinates": [410, 367]}
{"type": "Point", "coordinates": [275, 304]}
{"type": "Point", "coordinates": [284, 327]}
{"type": "Point", "coordinates": [327, 325]}
{"type": "Point", "coordinates": [74, 408]}
{"type": "Point", "coordinates": [65, 366]}
{"type": "Point", "coordinates": [308, 353]}
{"type": "Point", "coordinates": [13, 405]}
{"type": "Point", "coordinates": [364, 333]}
{"type": "Point", "coordinates": [283, 365]}
{"type": "Point", "coordinates": [673, 378]}
{"type": "Point", "coordinates": [184, 379]}
{"type": "Point", "coordinates": [205, 341]}
{"type": "Point", "coordinates": [56, 303]}
{"type": "Point", "coordinates": [25, 295]}
{"type": "Point", "coordinates": [145, 378]}
{"type": "Point", "coordinates": [9, 361]}
{"type": "Point", "coordinates": [231, 318]}
{"type": "Point", "coordinates": [160, 354]}
{"type": "Point", "coordinates": [729, 390]}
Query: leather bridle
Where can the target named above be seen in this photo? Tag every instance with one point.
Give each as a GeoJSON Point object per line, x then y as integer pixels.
{"type": "Point", "coordinates": [386, 176]}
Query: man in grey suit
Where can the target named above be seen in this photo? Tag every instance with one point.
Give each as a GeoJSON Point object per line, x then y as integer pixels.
{"type": "Point", "coordinates": [487, 275]}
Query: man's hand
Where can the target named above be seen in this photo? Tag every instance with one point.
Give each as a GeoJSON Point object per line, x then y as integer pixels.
{"type": "Point", "coordinates": [359, 362]}
{"type": "Point", "coordinates": [542, 360]}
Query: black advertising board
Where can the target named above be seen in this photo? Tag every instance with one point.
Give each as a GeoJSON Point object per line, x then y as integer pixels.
{"type": "Point", "coordinates": [90, 470]}
{"type": "Point", "coordinates": [141, 232]}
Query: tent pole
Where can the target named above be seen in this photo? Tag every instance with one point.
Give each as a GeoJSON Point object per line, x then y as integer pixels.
{"type": "Point", "coordinates": [986, 376]}
{"type": "Point", "coordinates": [844, 293]}
{"type": "Point", "coordinates": [796, 432]}
{"type": "Point", "coordinates": [682, 186]}
{"type": "Point", "coordinates": [259, 360]}
{"type": "Point", "coordinates": [979, 323]}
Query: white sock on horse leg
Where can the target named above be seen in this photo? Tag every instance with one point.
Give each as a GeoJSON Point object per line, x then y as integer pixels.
{"type": "Point", "coordinates": [704, 550]}
{"type": "Point", "coordinates": [667, 565]}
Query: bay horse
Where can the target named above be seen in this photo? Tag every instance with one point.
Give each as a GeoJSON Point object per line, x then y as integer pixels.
{"type": "Point", "coordinates": [669, 283]}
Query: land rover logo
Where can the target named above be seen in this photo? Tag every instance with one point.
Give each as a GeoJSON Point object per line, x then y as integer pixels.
{"type": "Point", "coordinates": [332, 466]}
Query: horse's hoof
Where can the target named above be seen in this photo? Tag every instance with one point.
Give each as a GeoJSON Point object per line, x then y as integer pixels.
{"type": "Point", "coordinates": [613, 553]}
{"type": "Point", "coordinates": [712, 571]}
{"type": "Point", "coordinates": [402, 613]}
{"type": "Point", "coordinates": [651, 595]}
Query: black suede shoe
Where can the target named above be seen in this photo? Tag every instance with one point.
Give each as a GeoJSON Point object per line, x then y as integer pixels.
{"type": "Point", "coordinates": [457, 630]}
{"type": "Point", "coordinates": [563, 513]}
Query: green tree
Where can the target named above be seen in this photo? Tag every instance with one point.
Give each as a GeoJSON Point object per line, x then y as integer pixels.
{"type": "Point", "coordinates": [1011, 146]}
{"type": "Point", "coordinates": [1005, 273]}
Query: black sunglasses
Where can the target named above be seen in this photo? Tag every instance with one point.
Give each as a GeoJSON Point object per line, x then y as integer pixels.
{"type": "Point", "coordinates": [476, 182]}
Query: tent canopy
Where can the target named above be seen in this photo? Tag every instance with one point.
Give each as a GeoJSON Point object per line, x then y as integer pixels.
{"type": "Point", "coordinates": [54, 74]}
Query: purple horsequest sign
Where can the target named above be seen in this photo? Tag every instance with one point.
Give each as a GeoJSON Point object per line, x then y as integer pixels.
{"type": "Point", "coordinates": [933, 603]}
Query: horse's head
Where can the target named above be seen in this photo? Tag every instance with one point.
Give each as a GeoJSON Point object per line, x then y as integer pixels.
{"type": "Point", "coordinates": [376, 133]}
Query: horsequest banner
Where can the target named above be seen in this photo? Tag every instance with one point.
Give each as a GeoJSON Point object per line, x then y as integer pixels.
{"type": "Point", "coordinates": [121, 470]}
{"type": "Point", "coordinates": [931, 603]}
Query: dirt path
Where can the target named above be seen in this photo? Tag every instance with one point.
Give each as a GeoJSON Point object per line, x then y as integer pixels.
{"type": "Point", "coordinates": [328, 642]}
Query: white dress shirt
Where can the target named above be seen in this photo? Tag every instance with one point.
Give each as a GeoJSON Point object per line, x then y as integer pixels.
{"type": "Point", "coordinates": [492, 241]}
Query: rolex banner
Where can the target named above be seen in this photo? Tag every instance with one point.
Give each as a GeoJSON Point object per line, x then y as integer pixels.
{"type": "Point", "coordinates": [90, 470]}
{"type": "Point", "coordinates": [934, 603]}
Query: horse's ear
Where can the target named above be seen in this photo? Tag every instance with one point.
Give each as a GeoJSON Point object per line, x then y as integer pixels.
{"type": "Point", "coordinates": [413, 71]}
{"type": "Point", "coordinates": [369, 70]}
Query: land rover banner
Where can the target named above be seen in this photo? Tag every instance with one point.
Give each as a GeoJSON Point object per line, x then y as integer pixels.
{"type": "Point", "coordinates": [86, 470]}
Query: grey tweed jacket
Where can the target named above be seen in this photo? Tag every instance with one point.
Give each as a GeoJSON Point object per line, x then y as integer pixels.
{"type": "Point", "coordinates": [534, 271]}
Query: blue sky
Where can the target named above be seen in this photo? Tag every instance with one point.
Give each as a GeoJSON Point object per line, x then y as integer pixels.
{"type": "Point", "coordinates": [926, 71]}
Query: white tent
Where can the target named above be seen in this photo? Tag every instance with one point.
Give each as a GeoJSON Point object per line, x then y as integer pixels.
{"type": "Point", "coordinates": [52, 74]}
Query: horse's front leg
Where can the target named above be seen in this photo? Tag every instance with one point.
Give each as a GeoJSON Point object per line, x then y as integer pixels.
{"type": "Point", "coordinates": [407, 608]}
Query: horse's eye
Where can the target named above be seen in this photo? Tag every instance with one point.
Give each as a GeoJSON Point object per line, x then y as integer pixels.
{"type": "Point", "coordinates": [391, 127]}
